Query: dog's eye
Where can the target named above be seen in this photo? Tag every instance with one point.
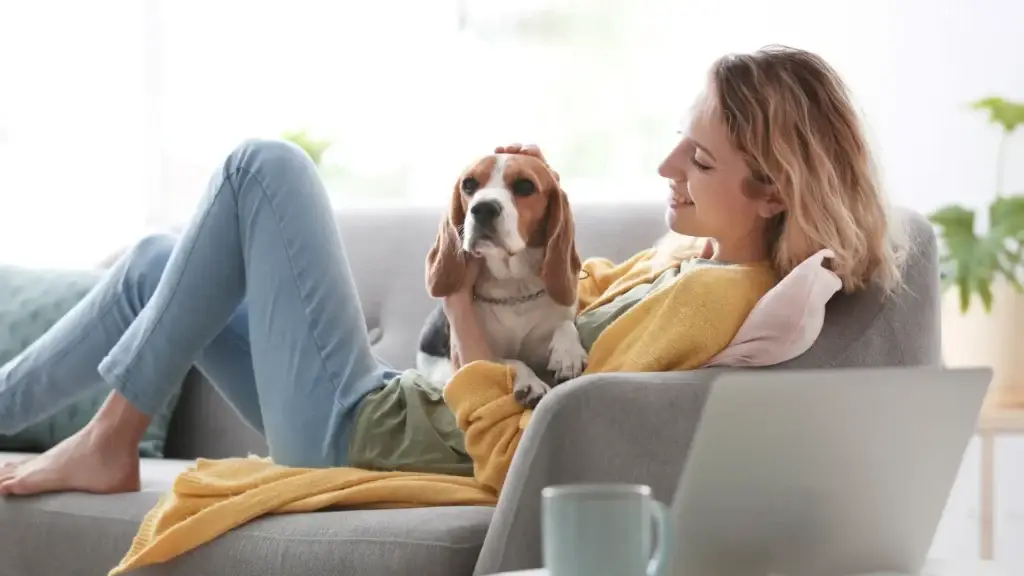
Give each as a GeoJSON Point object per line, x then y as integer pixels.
{"type": "Point", "coordinates": [470, 185]}
{"type": "Point", "coordinates": [523, 187]}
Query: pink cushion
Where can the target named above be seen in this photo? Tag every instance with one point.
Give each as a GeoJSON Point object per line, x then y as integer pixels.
{"type": "Point", "coordinates": [787, 320]}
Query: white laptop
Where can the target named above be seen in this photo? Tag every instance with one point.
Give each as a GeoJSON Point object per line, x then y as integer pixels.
{"type": "Point", "coordinates": [822, 472]}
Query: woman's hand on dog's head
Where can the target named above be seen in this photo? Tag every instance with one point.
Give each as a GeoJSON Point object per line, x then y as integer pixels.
{"type": "Point", "coordinates": [527, 149]}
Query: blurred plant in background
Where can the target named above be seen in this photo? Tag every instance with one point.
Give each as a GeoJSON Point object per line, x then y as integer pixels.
{"type": "Point", "coordinates": [314, 147]}
{"type": "Point", "coordinates": [972, 261]}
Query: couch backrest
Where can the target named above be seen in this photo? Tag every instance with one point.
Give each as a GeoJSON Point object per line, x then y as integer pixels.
{"type": "Point", "coordinates": [387, 250]}
{"type": "Point", "coordinates": [870, 329]}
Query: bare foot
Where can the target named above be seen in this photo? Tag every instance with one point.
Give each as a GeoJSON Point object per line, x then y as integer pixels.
{"type": "Point", "coordinates": [89, 461]}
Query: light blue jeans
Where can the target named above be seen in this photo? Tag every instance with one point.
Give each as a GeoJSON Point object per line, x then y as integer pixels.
{"type": "Point", "coordinates": [257, 293]}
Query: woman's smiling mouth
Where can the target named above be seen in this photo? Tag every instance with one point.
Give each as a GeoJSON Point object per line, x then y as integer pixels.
{"type": "Point", "coordinates": [679, 198]}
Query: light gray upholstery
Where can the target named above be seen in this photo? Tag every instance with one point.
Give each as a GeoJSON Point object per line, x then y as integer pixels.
{"type": "Point", "coordinates": [613, 427]}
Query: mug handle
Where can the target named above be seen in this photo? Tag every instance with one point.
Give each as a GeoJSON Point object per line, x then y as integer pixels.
{"type": "Point", "coordinates": [658, 565]}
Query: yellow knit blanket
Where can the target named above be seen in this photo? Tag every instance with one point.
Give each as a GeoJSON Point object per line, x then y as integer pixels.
{"type": "Point", "coordinates": [216, 496]}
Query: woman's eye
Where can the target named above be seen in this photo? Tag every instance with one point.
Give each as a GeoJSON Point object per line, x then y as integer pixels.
{"type": "Point", "coordinates": [523, 187]}
{"type": "Point", "coordinates": [698, 165]}
{"type": "Point", "coordinates": [470, 185]}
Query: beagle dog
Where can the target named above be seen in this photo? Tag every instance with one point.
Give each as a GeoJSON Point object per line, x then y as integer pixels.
{"type": "Point", "coordinates": [509, 210]}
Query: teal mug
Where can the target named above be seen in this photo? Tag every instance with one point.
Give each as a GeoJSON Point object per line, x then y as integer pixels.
{"type": "Point", "coordinates": [604, 529]}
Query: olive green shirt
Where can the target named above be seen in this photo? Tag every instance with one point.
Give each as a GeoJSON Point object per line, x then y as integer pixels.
{"type": "Point", "coordinates": [406, 426]}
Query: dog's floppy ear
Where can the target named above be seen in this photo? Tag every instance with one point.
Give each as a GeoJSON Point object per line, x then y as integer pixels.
{"type": "Point", "coordinates": [561, 268]}
{"type": "Point", "coordinates": [446, 261]}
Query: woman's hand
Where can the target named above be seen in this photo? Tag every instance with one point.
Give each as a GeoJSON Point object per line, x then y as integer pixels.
{"type": "Point", "coordinates": [465, 292]}
{"type": "Point", "coordinates": [468, 341]}
{"type": "Point", "coordinates": [529, 150]}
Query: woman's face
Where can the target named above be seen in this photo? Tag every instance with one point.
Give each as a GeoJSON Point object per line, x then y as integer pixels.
{"type": "Point", "coordinates": [707, 177]}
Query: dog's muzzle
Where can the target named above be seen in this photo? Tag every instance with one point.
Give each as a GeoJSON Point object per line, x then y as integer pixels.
{"type": "Point", "coordinates": [483, 224]}
{"type": "Point", "coordinates": [486, 213]}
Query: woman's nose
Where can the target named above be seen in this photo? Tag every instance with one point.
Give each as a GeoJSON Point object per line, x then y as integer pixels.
{"type": "Point", "coordinates": [674, 165]}
{"type": "Point", "coordinates": [668, 169]}
{"type": "Point", "coordinates": [672, 170]}
{"type": "Point", "coordinates": [663, 169]}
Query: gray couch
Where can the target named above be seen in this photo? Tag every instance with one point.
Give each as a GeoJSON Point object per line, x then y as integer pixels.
{"type": "Point", "coordinates": [614, 427]}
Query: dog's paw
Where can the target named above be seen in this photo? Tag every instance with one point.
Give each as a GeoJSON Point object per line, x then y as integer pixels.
{"type": "Point", "coordinates": [567, 358]}
{"type": "Point", "coordinates": [527, 388]}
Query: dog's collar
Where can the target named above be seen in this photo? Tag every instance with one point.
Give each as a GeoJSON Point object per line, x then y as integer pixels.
{"type": "Point", "coordinates": [511, 300]}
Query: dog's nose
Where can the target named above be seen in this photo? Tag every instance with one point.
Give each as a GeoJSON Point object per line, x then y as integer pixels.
{"type": "Point", "coordinates": [486, 211]}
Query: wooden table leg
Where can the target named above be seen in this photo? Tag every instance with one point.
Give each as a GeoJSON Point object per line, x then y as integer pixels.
{"type": "Point", "coordinates": [988, 496]}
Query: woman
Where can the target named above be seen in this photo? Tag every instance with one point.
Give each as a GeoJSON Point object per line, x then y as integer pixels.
{"type": "Point", "coordinates": [774, 166]}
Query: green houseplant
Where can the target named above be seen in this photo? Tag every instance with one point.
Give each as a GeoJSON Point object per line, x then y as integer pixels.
{"type": "Point", "coordinates": [314, 147]}
{"type": "Point", "coordinates": [971, 260]}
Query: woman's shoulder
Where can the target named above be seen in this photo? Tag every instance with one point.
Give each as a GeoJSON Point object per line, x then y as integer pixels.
{"type": "Point", "coordinates": [607, 263]}
{"type": "Point", "coordinates": [739, 282]}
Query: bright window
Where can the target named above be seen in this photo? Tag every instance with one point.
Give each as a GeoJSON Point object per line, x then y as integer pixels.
{"type": "Point", "coordinates": [408, 92]}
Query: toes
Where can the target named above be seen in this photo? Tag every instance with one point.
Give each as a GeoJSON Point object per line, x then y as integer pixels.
{"type": "Point", "coordinates": [9, 479]}
{"type": "Point", "coordinates": [9, 487]}
{"type": "Point", "coordinates": [22, 487]}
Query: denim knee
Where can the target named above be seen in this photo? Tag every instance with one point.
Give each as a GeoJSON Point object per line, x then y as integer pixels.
{"type": "Point", "coordinates": [273, 160]}
{"type": "Point", "coordinates": [143, 266]}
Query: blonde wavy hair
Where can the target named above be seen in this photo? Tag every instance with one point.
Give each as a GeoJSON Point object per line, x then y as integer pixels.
{"type": "Point", "coordinates": [789, 113]}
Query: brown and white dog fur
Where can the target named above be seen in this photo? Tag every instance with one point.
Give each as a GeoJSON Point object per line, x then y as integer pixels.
{"type": "Point", "coordinates": [510, 210]}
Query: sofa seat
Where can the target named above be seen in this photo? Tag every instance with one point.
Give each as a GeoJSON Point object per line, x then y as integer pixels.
{"type": "Point", "coordinates": [86, 534]}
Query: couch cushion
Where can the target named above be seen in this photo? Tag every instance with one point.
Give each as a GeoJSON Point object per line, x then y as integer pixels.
{"type": "Point", "coordinates": [87, 534]}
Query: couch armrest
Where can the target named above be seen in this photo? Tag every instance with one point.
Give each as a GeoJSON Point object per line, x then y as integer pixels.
{"type": "Point", "coordinates": [619, 427]}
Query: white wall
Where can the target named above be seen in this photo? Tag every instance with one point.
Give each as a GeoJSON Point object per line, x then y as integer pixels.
{"type": "Point", "coordinates": [937, 57]}
{"type": "Point", "coordinates": [914, 65]}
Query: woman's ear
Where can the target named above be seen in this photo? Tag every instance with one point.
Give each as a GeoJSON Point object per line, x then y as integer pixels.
{"type": "Point", "coordinates": [446, 261]}
{"type": "Point", "coordinates": [772, 205]}
{"type": "Point", "coordinates": [769, 201]}
{"type": "Point", "coordinates": [560, 270]}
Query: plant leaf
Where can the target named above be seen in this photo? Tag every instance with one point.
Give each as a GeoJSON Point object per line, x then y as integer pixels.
{"type": "Point", "coordinates": [313, 147]}
{"type": "Point", "coordinates": [1001, 111]}
{"type": "Point", "coordinates": [985, 291]}
{"type": "Point", "coordinates": [954, 218]}
{"type": "Point", "coordinates": [1006, 217]}
{"type": "Point", "coordinates": [965, 293]}
{"type": "Point", "coordinates": [956, 229]}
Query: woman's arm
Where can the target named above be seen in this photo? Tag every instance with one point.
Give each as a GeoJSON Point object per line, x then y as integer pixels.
{"type": "Point", "coordinates": [468, 340]}
{"type": "Point", "coordinates": [480, 392]}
